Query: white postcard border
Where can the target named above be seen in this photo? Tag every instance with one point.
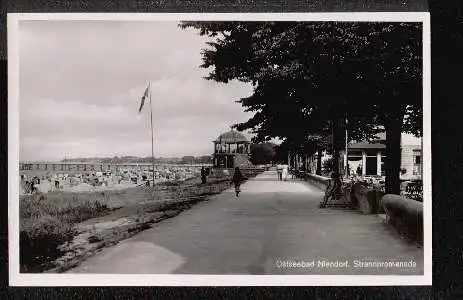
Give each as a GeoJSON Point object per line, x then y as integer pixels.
{"type": "Point", "coordinates": [22, 279]}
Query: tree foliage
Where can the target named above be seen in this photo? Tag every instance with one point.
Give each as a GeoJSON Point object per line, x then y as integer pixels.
{"type": "Point", "coordinates": [262, 153]}
{"type": "Point", "coordinates": [321, 67]}
{"type": "Point", "coordinates": [306, 76]}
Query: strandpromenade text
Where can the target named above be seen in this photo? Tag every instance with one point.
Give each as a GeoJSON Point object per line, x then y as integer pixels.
{"type": "Point", "coordinates": [344, 264]}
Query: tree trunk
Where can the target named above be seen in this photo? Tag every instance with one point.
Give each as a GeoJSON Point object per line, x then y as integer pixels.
{"type": "Point", "coordinates": [319, 162]}
{"type": "Point", "coordinates": [335, 143]}
{"type": "Point", "coordinates": [393, 154]}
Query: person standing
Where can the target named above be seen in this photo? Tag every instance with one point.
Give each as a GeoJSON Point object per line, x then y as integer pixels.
{"type": "Point", "coordinates": [284, 173]}
{"type": "Point", "coordinates": [203, 175]}
{"type": "Point", "coordinates": [279, 171]}
{"type": "Point", "coordinates": [26, 187]}
{"type": "Point", "coordinates": [237, 179]}
{"type": "Point", "coordinates": [33, 187]}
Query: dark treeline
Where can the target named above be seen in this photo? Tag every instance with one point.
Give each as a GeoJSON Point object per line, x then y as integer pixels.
{"type": "Point", "coordinates": [204, 159]}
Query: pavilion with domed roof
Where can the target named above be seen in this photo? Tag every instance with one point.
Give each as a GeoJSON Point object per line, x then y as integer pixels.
{"type": "Point", "coordinates": [231, 149]}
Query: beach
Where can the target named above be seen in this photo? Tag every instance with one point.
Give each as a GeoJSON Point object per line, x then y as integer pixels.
{"type": "Point", "coordinates": [59, 229]}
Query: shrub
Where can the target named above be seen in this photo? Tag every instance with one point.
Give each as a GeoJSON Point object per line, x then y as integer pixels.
{"type": "Point", "coordinates": [328, 164]}
{"type": "Point", "coordinates": [48, 221]}
{"type": "Point", "coordinates": [80, 207]}
{"type": "Point", "coordinates": [39, 239]}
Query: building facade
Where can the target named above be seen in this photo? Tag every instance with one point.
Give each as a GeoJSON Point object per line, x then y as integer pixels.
{"type": "Point", "coordinates": [411, 161]}
{"type": "Point", "coordinates": [369, 159]}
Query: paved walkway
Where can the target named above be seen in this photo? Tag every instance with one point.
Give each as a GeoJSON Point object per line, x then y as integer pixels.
{"type": "Point", "coordinates": [271, 225]}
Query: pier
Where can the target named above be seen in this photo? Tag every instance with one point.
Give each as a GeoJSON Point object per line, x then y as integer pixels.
{"type": "Point", "coordinates": [24, 167]}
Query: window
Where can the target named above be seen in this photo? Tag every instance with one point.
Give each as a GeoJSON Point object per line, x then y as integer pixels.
{"type": "Point", "coordinates": [416, 170]}
{"type": "Point", "coordinates": [383, 165]}
{"type": "Point", "coordinates": [416, 156]}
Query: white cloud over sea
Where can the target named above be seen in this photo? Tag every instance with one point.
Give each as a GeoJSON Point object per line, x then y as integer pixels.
{"type": "Point", "coordinates": [81, 83]}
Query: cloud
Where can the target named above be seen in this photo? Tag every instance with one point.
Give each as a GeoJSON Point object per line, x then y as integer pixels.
{"type": "Point", "coordinates": [81, 83]}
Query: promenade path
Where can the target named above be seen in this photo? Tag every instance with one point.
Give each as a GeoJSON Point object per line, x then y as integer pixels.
{"type": "Point", "coordinates": [271, 223]}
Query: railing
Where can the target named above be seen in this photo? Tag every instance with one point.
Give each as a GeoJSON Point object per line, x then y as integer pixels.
{"type": "Point", "coordinates": [405, 215]}
{"type": "Point", "coordinates": [319, 181]}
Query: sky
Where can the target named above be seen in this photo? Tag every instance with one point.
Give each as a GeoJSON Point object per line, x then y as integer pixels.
{"type": "Point", "coordinates": [80, 84]}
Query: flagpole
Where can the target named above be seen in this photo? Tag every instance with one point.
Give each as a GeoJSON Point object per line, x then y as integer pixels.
{"type": "Point", "coordinates": [152, 136]}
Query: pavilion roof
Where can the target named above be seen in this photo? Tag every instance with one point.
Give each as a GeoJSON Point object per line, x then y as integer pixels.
{"type": "Point", "coordinates": [231, 137]}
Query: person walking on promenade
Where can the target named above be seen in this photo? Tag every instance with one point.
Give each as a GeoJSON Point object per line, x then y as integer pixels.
{"type": "Point", "coordinates": [237, 179]}
{"type": "Point", "coordinates": [203, 175]}
{"type": "Point", "coordinates": [284, 173]}
{"type": "Point", "coordinates": [279, 171]}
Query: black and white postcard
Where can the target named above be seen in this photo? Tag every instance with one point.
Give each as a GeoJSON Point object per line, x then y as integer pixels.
{"type": "Point", "coordinates": [219, 149]}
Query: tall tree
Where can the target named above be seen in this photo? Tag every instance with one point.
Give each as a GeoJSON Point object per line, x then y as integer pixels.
{"type": "Point", "coordinates": [308, 76]}
{"type": "Point", "coordinates": [395, 51]}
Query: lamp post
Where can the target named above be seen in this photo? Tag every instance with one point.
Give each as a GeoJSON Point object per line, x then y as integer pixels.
{"type": "Point", "coordinates": [346, 164]}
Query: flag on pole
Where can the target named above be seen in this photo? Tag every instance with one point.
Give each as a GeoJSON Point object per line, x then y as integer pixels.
{"type": "Point", "coordinates": [145, 95]}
